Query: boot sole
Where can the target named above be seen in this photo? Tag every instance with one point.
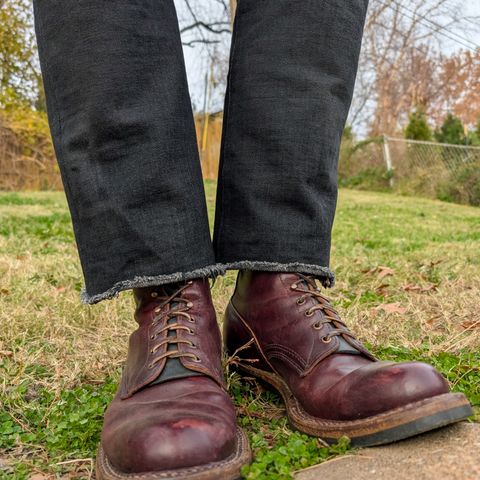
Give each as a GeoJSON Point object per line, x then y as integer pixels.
{"type": "Point", "coordinates": [387, 427]}
{"type": "Point", "coordinates": [228, 469]}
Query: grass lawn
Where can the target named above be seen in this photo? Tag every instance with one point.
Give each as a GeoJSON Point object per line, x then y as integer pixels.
{"type": "Point", "coordinates": [408, 285]}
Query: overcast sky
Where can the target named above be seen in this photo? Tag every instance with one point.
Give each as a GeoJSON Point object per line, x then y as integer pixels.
{"type": "Point", "coordinates": [197, 61]}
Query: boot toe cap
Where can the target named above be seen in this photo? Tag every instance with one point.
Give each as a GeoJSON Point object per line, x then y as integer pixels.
{"type": "Point", "coordinates": [180, 424]}
{"type": "Point", "coordinates": [383, 386]}
{"type": "Point", "coordinates": [180, 443]}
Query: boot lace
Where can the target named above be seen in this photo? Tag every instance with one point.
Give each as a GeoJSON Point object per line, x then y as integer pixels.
{"type": "Point", "coordinates": [162, 319]}
{"type": "Point", "coordinates": [330, 315]}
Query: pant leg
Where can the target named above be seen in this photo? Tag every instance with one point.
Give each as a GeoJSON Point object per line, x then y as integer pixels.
{"type": "Point", "coordinates": [292, 71]}
{"type": "Point", "coordinates": [123, 131]}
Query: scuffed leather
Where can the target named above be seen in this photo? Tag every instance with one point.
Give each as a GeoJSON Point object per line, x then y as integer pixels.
{"type": "Point", "coordinates": [329, 385]}
{"type": "Point", "coordinates": [178, 423]}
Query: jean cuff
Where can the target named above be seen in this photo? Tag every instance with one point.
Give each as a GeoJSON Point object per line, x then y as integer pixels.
{"type": "Point", "coordinates": [324, 274]}
{"type": "Point", "coordinates": [210, 271]}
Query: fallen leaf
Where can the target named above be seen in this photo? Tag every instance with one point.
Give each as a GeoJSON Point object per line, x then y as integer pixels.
{"type": "Point", "coordinates": [433, 321]}
{"type": "Point", "coordinates": [411, 287]}
{"type": "Point", "coordinates": [470, 324]}
{"type": "Point", "coordinates": [381, 271]}
{"type": "Point", "coordinates": [382, 289]}
{"type": "Point", "coordinates": [384, 272]}
{"type": "Point", "coordinates": [391, 308]}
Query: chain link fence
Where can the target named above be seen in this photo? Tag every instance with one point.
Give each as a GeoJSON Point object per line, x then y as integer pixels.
{"type": "Point", "coordinates": [437, 170]}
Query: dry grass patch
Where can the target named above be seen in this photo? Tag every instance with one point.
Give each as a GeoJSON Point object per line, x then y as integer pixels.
{"type": "Point", "coordinates": [408, 284]}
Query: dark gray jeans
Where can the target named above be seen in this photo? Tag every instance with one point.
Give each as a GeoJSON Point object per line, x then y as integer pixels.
{"type": "Point", "coordinates": [123, 131]}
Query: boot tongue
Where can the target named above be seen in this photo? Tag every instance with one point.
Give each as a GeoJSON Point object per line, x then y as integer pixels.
{"type": "Point", "coordinates": [344, 346]}
{"type": "Point", "coordinates": [169, 289]}
{"type": "Point", "coordinates": [173, 368]}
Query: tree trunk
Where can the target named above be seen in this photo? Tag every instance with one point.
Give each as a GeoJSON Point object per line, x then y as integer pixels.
{"type": "Point", "coordinates": [233, 6]}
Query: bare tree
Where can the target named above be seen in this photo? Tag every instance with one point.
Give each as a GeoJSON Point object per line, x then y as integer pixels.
{"type": "Point", "coordinates": [403, 49]}
{"type": "Point", "coordinates": [204, 24]}
{"type": "Point", "coordinates": [233, 8]}
{"type": "Point", "coordinates": [458, 89]}
{"type": "Point", "coordinates": [206, 28]}
{"type": "Point", "coordinates": [19, 76]}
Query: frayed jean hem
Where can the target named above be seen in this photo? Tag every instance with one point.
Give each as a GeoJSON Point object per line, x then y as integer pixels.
{"type": "Point", "coordinates": [324, 274]}
{"type": "Point", "coordinates": [210, 271]}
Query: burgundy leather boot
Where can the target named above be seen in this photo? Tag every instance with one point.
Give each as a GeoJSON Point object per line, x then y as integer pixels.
{"type": "Point", "coordinates": [331, 385]}
{"type": "Point", "coordinates": [172, 418]}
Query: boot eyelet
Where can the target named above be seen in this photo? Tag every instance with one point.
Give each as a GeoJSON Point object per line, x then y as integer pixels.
{"type": "Point", "coordinates": [309, 313]}
{"type": "Point", "coordinates": [301, 301]}
{"type": "Point", "coordinates": [154, 294]}
{"type": "Point", "coordinates": [191, 320]}
{"type": "Point", "coordinates": [326, 339]}
{"type": "Point", "coordinates": [192, 345]}
{"type": "Point", "coordinates": [196, 359]}
{"type": "Point", "coordinates": [150, 366]}
{"type": "Point", "coordinates": [190, 282]}
{"type": "Point", "coordinates": [191, 332]}
{"type": "Point", "coordinates": [157, 310]}
{"type": "Point", "coordinates": [293, 286]}
{"type": "Point", "coordinates": [317, 326]}
{"type": "Point", "coordinates": [152, 337]}
{"type": "Point", "coordinates": [189, 304]}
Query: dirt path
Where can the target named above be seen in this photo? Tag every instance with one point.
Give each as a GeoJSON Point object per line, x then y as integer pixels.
{"type": "Point", "coordinates": [451, 453]}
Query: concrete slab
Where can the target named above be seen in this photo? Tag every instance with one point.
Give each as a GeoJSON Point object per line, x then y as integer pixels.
{"type": "Point", "coordinates": [451, 453]}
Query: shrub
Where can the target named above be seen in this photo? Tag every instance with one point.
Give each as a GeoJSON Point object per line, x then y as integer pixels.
{"type": "Point", "coordinates": [462, 186]}
{"type": "Point", "coordinates": [27, 159]}
{"type": "Point", "coordinates": [417, 128]}
{"type": "Point", "coordinates": [451, 131]}
{"type": "Point", "coordinates": [373, 178]}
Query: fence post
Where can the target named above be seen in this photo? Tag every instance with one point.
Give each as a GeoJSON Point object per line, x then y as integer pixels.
{"type": "Point", "coordinates": [388, 159]}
